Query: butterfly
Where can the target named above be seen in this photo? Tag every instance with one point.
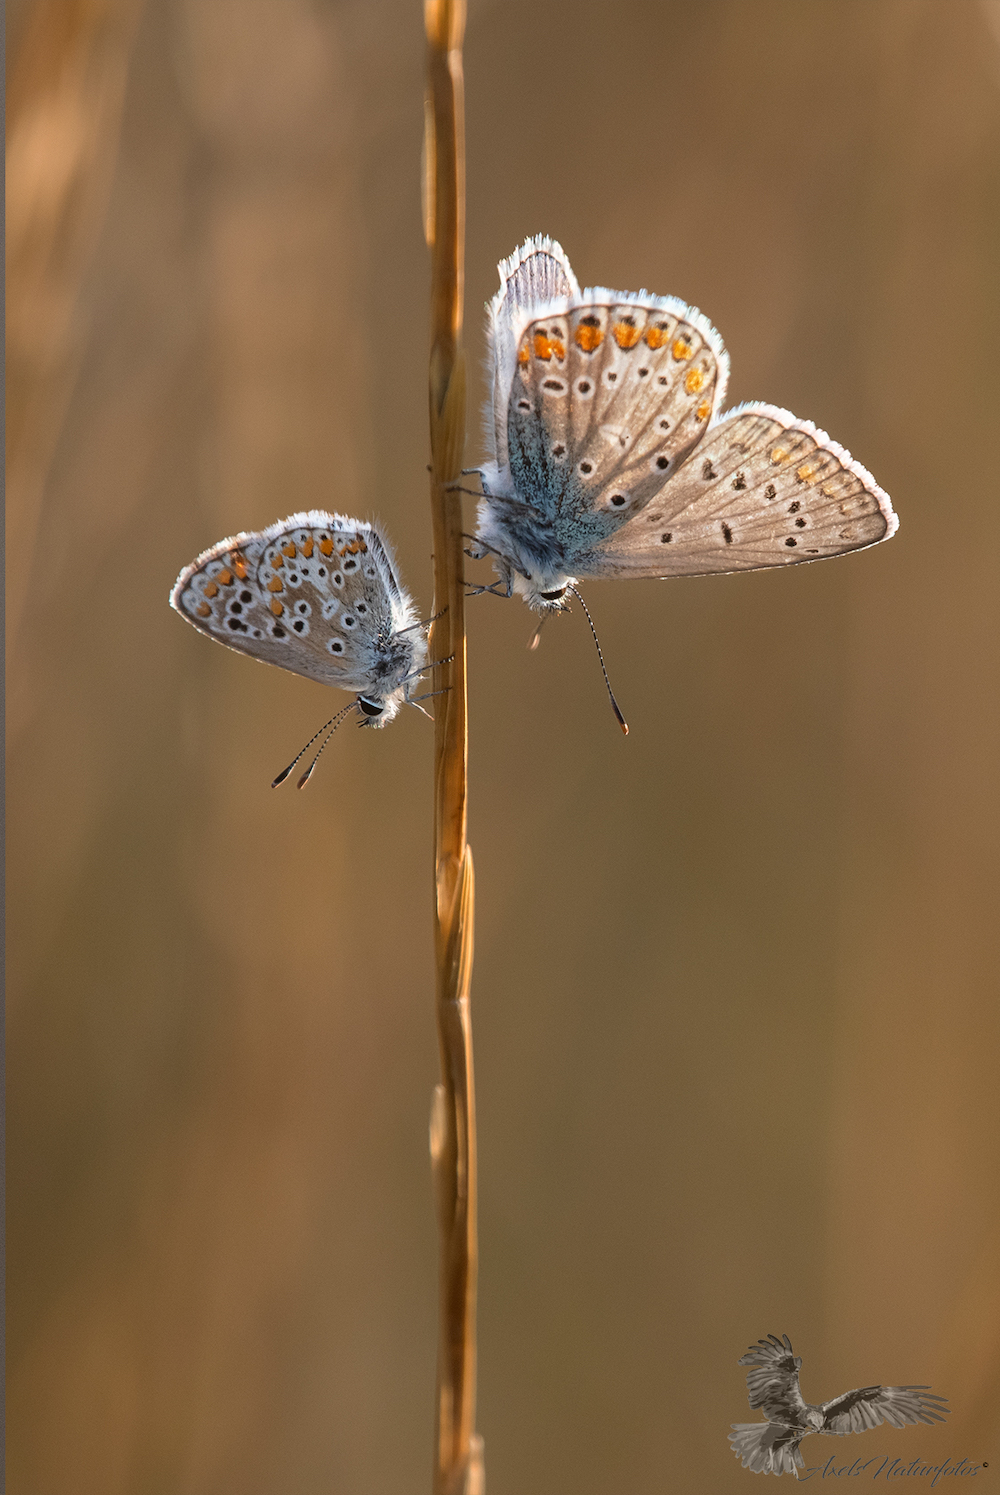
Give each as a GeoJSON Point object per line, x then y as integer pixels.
{"type": "Point", "coordinates": [317, 594]}
{"type": "Point", "coordinates": [609, 456]}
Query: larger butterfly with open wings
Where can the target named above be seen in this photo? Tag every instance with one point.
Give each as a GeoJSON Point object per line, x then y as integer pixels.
{"type": "Point", "coordinates": [609, 457]}
{"type": "Point", "coordinates": [772, 1447]}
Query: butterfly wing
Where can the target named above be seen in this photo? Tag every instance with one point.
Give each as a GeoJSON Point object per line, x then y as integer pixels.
{"type": "Point", "coordinates": [607, 398]}
{"type": "Point", "coordinates": [537, 272]}
{"type": "Point", "coordinates": [313, 593]}
{"type": "Point", "coordinates": [762, 489]}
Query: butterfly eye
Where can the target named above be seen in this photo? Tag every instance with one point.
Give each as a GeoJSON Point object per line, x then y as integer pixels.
{"type": "Point", "coordinates": [553, 596]}
{"type": "Point", "coordinates": [370, 708]}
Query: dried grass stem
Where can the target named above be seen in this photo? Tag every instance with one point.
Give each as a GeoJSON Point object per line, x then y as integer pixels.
{"type": "Point", "coordinates": [458, 1451]}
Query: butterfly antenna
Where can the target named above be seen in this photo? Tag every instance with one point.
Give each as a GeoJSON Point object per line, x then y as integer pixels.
{"type": "Point", "coordinates": [303, 781]}
{"type": "Point", "coordinates": [614, 704]}
{"type": "Point", "coordinates": [335, 722]}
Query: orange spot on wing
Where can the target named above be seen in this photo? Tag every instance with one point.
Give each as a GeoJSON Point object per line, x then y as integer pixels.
{"type": "Point", "coordinates": [240, 567]}
{"type": "Point", "coordinates": [211, 590]}
{"type": "Point", "coordinates": [682, 349]}
{"type": "Point", "coordinates": [277, 560]}
{"type": "Point", "coordinates": [288, 549]}
{"type": "Point", "coordinates": [276, 607]}
{"type": "Point", "coordinates": [546, 346]}
{"type": "Point", "coordinates": [362, 546]}
{"type": "Point", "coordinates": [523, 353]}
{"type": "Point", "coordinates": [224, 578]}
{"type": "Point", "coordinates": [587, 338]}
{"type": "Point", "coordinates": [694, 381]}
{"type": "Point", "coordinates": [307, 548]}
{"type": "Point", "coordinates": [274, 585]}
{"type": "Point", "coordinates": [326, 547]}
{"type": "Point", "coordinates": [625, 334]}
{"type": "Point", "coordinates": [804, 473]}
{"type": "Point", "coordinates": [702, 411]}
{"type": "Point", "coordinates": [779, 455]}
{"type": "Point", "coordinates": [656, 336]}
{"type": "Point", "coordinates": [203, 610]}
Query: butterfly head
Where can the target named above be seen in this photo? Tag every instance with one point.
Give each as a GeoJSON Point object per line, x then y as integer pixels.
{"type": "Point", "coordinates": [395, 663]}
{"type": "Point", "coordinates": [543, 594]}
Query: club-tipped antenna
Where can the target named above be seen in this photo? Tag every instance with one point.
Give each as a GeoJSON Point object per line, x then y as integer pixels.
{"type": "Point", "coordinates": [614, 704]}
{"type": "Point", "coordinates": [333, 724]}
{"type": "Point", "coordinates": [303, 781]}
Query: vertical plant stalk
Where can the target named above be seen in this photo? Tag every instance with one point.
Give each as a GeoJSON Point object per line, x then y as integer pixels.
{"type": "Point", "coordinates": [458, 1462]}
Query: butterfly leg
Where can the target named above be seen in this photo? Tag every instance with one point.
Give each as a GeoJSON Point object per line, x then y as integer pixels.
{"type": "Point", "coordinates": [427, 696]}
{"type": "Point", "coordinates": [415, 674]}
{"type": "Point", "coordinates": [425, 623]}
{"type": "Point", "coordinates": [492, 589]}
{"type": "Point", "coordinates": [479, 550]}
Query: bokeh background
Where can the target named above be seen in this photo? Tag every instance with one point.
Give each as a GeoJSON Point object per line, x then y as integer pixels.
{"type": "Point", "coordinates": [735, 995]}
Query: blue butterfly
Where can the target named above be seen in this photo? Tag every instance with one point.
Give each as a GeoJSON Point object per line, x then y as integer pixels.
{"type": "Point", "coordinates": [609, 456]}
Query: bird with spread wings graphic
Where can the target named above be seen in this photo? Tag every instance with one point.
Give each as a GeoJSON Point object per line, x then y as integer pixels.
{"type": "Point", "coordinates": [772, 1447]}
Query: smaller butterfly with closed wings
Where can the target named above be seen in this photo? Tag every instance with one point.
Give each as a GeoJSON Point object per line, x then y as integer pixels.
{"type": "Point", "coordinates": [317, 594]}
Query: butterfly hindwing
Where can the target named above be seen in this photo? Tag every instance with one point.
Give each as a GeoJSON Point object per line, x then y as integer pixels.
{"type": "Point", "coordinates": [762, 489]}
{"type": "Point", "coordinates": [606, 399]}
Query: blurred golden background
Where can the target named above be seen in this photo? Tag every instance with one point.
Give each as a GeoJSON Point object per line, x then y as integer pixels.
{"type": "Point", "coordinates": [735, 996]}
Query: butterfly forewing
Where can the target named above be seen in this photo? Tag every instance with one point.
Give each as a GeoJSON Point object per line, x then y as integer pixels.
{"type": "Point", "coordinates": [605, 401]}
{"type": "Point", "coordinates": [312, 593]}
{"type": "Point", "coordinates": [763, 489]}
{"type": "Point", "coordinates": [537, 272]}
